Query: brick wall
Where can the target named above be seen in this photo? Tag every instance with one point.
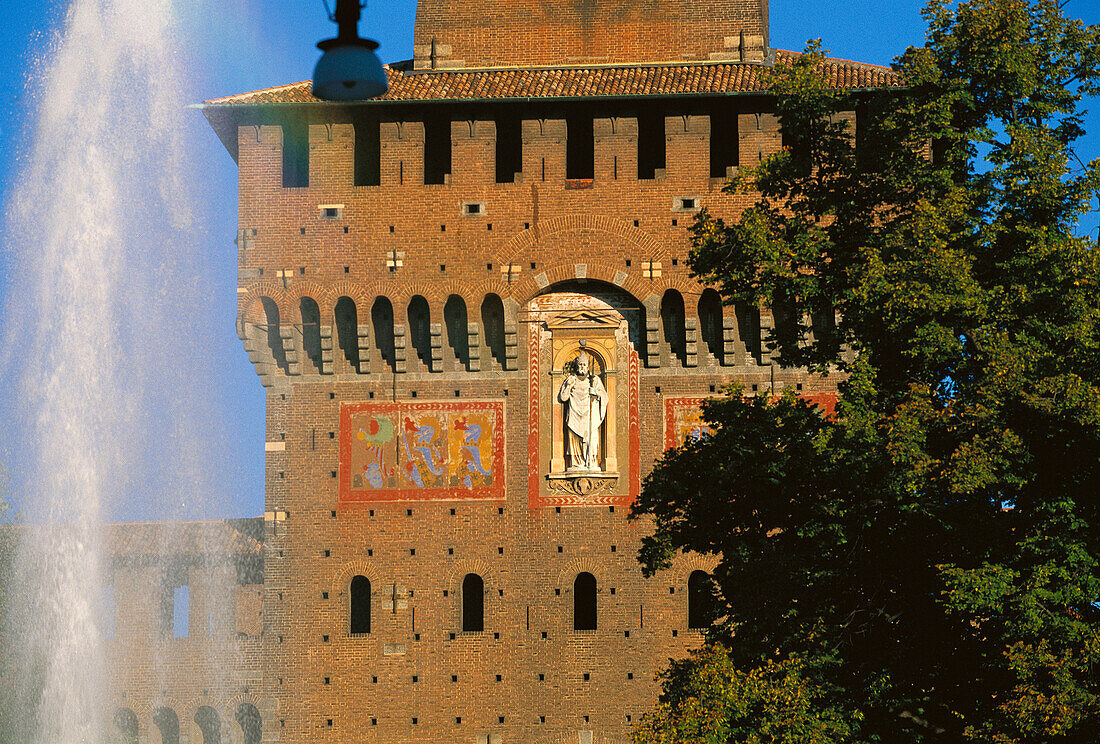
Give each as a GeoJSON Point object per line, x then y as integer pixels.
{"type": "Point", "coordinates": [505, 33]}
{"type": "Point", "coordinates": [183, 624]}
{"type": "Point", "coordinates": [529, 676]}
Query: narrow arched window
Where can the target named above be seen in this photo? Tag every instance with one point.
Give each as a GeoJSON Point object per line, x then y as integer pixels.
{"type": "Point", "coordinates": [710, 322]}
{"type": "Point", "coordinates": [210, 724]}
{"type": "Point", "coordinates": [346, 318]}
{"type": "Point", "coordinates": [458, 332]}
{"type": "Point", "coordinates": [700, 600]}
{"type": "Point", "coordinates": [360, 605]}
{"type": "Point", "coordinates": [127, 724]}
{"type": "Point", "coordinates": [672, 324]}
{"type": "Point", "coordinates": [168, 722]}
{"type": "Point", "coordinates": [584, 602]}
{"type": "Point", "coordinates": [311, 330]}
{"type": "Point", "coordinates": [420, 330]}
{"type": "Point", "coordinates": [473, 604]}
{"type": "Point", "coordinates": [381, 315]}
{"type": "Point", "coordinates": [249, 719]}
{"type": "Point", "coordinates": [748, 328]}
{"type": "Point", "coordinates": [274, 338]}
{"type": "Point", "coordinates": [492, 324]}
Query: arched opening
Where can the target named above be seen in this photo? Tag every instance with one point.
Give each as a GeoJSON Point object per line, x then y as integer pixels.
{"type": "Point", "coordinates": [700, 600]}
{"type": "Point", "coordinates": [492, 324]}
{"type": "Point", "coordinates": [710, 322]}
{"type": "Point", "coordinates": [274, 339]}
{"type": "Point", "coordinates": [210, 724]}
{"type": "Point", "coordinates": [249, 719]}
{"type": "Point", "coordinates": [458, 331]}
{"type": "Point", "coordinates": [346, 319]}
{"type": "Point", "coordinates": [359, 607]}
{"type": "Point", "coordinates": [823, 326]}
{"type": "Point", "coordinates": [311, 331]}
{"type": "Point", "coordinates": [168, 722]}
{"type": "Point", "coordinates": [596, 294]}
{"type": "Point", "coordinates": [748, 328]}
{"type": "Point", "coordinates": [473, 604]}
{"type": "Point", "coordinates": [420, 335]}
{"type": "Point", "coordinates": [787, 328]}
{"type": "Point", "coordinates": [381, 315]}
{"type": "Point", "coordinates": [672, 324]}
{"type": "Point", "coordinates": [127, 724]}
{"type": "Point", "coordinates": [584, 602]}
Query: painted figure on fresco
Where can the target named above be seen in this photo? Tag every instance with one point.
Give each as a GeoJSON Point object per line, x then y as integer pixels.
{"type": "Point", "coordinates": [422, 436]}
{"type": "Point", "coordinates": [585, 400]}
{"type": "Point", "coordinates": [471, 451]}
{"type": "Point", "coordinates": [374, 434]}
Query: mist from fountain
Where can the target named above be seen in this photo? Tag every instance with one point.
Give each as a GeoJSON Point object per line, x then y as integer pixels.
{"type": "Point", "coordinates": [107, 400]}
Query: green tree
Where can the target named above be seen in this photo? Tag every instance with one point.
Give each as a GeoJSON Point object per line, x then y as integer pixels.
{"type": "Point", "coordinates": [925, 565]}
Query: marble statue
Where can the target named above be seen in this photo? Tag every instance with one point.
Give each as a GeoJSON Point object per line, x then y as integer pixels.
{"type": "Point", "coordinates": [585, 400]}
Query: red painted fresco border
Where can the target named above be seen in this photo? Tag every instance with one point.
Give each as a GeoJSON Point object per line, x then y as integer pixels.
{"type": "Point", "coordinates": [490, 493]}
{"type": "Point", "coordinates": [534, 364]}
{"type": "Point", "coordinates": [671, 406]}
{"type": "Point", "coordinates": [824, 400]}
{"type": "Point", "coordinates": [635, 428]}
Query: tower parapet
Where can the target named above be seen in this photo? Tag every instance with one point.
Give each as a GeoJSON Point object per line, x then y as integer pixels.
{"type": "Point", "coordinates": [451, 34]}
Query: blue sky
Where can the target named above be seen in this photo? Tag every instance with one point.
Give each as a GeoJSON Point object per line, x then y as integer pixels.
{"type": "Point", "coordinates": [230, 46]}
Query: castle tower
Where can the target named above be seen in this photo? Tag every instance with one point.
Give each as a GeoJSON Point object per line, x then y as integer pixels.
{"type": "Point", "coordinates": [469, 305]}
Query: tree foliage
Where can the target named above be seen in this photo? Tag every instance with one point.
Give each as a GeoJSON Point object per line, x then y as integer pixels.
{"type": "Point", "coordinates": [925, 565]}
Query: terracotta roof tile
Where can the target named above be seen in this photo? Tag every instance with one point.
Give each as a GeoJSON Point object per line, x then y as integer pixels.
{"type": "Point", "coordinates": [697, 79]}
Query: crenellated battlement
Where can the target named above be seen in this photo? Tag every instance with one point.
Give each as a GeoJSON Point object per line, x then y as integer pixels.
{"type": "Point", "coordinates": [687, 147]}
{"type": "Point", "coordinates": [350, 226]}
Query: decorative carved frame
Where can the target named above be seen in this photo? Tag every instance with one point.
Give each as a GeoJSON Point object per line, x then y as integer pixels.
{"type": "Point", "coordinates": [555, 337]}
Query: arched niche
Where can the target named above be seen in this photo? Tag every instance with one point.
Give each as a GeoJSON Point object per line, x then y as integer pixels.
{"type": "Point", "coordinates": [584, 602]}
{"type": "Point", "coordinates": [126, 723]}
{"type": "Point", "coordinates": [381, 314]}
{"type": "Point", "coordinates": [700, 599]}
{"type": "Point", "coordinates": [310, 330]}
{"type": "Point", "coordinates": [605, 324]}
{"type": "Point", "coordinates": [458, 330]}
{"type": "Point", "coordinates": [346, 319]}
{"type": "Point", "coordinates": [711, 324]}
{"type": "Point", "coordinates": [248, 718]}
{"type": "Point", "coordinates": [599, 348]}
{"type": "Point", "coordinates": [492, 327]}
{"type": "Point", "coordinates": [420, 334]}
{"type": "Point", "coordinates": [168, 723]}
{"type": "Point", "coordinates": [210, 725]}
{"type": "Point", "coordinates": [674, 328]}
